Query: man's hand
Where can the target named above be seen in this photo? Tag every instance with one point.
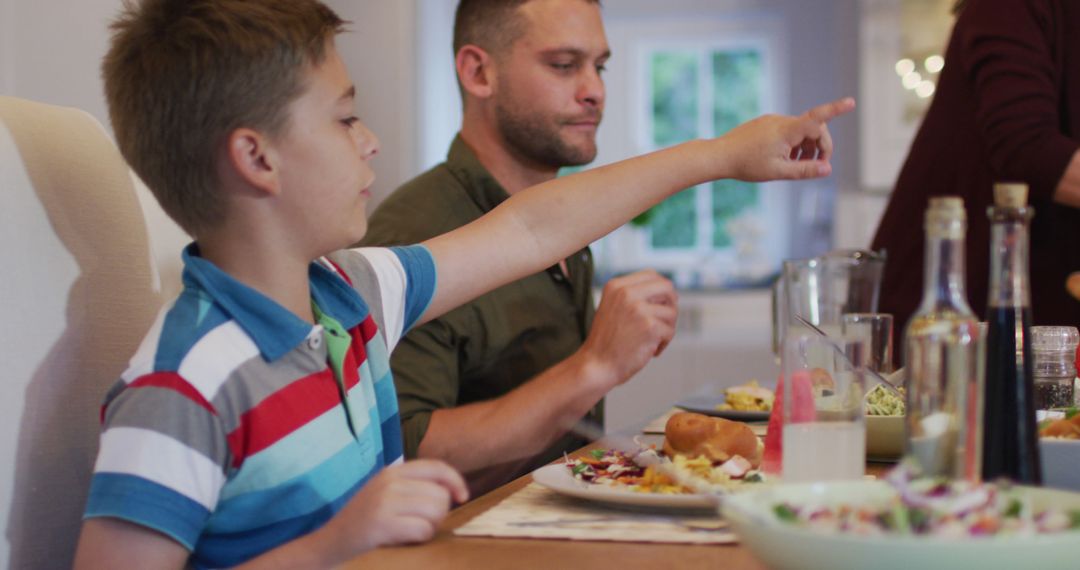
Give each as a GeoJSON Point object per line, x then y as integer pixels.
{"type": "Point", "coordinates": [402, 504]}
{"type": "Point", "coordinates": [1072, 284]}
{"type": "Point", "coordinates": [1068, 188]}
{"type": "Point", "coordinates": [634, 322]}
{"type": "Point", "coordinates": [780, 147]}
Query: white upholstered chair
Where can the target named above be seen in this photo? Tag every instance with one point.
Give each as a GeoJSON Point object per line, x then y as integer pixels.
{"type": "Point", "coordinates": [79, 286]}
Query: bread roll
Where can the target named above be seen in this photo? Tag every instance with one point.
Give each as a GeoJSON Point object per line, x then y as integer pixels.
{"type": "Point", "coordinates": [822, 381]}
{"type": "Point", "coordinates": [694, 435]}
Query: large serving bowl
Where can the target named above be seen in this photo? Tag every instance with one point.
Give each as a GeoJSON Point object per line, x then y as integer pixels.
{"type": "Point", "coordinates": [782, 545]}
{"type": "Point", "coordinates": [1061, 464]}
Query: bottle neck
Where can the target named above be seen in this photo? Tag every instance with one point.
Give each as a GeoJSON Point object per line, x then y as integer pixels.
{"type": "Point", "coordinates": [943, 284]}
{"type": "Point", "coordinates": [1009, 258]}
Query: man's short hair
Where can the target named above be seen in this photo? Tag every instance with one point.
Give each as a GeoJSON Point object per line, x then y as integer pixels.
{"type": "Point", "coordinates": [493, 25]}
{"type": "Point", "coordinates": [180, 75]}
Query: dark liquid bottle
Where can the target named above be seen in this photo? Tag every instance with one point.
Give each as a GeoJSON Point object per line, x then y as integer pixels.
{"type": "Point", "coordinates": [1010, 433]}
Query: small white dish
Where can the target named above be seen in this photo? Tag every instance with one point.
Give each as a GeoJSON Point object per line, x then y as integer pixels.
{"type": "Point", "coordinates": [1061, 463]}
{"type": "Point", "coordinates": [884, 437]}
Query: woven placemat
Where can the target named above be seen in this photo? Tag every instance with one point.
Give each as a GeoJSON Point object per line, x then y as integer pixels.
{"type": "Point", "coordinates": [538, 512]}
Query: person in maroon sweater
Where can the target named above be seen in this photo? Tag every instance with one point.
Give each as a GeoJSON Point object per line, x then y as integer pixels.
{"type": "Point", "coordinates": [1007, 108]}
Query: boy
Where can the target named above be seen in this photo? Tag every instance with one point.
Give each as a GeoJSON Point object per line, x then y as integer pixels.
{"type": "Point", "coordinates": [255, 424]}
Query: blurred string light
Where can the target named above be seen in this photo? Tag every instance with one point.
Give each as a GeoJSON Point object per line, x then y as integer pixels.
{"type": "Point", "coordinates": [916, 80]}
{"type": "Point", "coordinates": [934, 63]}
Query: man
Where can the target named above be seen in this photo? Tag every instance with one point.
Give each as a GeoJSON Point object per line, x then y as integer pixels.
{"type": "Point", "coordinates": [492, 387]}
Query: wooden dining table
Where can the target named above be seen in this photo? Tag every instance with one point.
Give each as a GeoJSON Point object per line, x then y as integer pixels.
{"type": "Point", "coordinates": [448, 551]}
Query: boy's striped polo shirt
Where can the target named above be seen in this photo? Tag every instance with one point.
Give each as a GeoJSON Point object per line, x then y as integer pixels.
{"type": "Point", "coordinates": [230, 431]}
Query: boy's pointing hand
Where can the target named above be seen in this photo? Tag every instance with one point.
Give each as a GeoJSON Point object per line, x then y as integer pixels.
{"type": "Point", "coordinates": [781, 147]}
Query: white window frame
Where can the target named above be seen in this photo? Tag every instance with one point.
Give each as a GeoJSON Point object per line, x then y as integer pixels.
{"type": "Point", "coordinates": [630, 248]}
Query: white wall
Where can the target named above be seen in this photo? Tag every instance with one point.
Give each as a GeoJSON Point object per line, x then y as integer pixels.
{"type": "Point", "coordinates": [439, 104]}
{"type": "Point", "coordinates": [50, 51]}
{"type": "Point", "coordinates": [7, 45]}
{"type": "Point", "coordinates": [380, 52]}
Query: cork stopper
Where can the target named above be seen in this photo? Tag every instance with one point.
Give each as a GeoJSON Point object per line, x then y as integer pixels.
{"type": "Point", "coordinates": [946, 217]}
{"type": "Point", "coordinates": [1010, 194]}
{"type": "Point", "coordinates": [948, 205]}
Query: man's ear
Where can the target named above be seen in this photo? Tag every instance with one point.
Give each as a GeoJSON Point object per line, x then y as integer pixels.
{"type": "Point", "coordinates": [475, 71]}
{"type": "Point", "coordinates": [252, 159]}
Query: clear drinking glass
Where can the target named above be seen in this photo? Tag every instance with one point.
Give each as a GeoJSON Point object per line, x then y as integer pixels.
{"type": "Point", "coordinates": [876, 330]}
{"type": "Point", "coordinates": [824, 431]}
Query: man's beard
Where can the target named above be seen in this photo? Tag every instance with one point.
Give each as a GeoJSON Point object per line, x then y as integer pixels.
{"type": "Point", "coordinates": [528, 135]}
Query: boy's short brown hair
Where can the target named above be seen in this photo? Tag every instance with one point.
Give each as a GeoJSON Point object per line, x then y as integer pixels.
{"type": "Point", "coordinates": [181, 75]}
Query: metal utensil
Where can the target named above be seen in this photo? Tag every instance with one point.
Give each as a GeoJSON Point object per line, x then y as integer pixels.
{"type": "Point", "coordinates": [873, 373]}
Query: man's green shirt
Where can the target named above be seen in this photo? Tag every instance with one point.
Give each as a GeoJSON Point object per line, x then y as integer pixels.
{"type": "Point", "coordinates": [497, 342]}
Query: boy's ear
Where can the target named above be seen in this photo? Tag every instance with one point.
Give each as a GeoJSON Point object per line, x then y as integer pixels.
{"type": "Point", "coordinates": [475, 71]}
{"type": "Point", "coordinates": [253, 159]}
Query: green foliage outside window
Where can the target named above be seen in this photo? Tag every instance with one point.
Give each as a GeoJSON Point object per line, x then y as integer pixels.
{"type": "Point", "coordinates": [736, 79]}
{"type": "Point", "coordinates": [674, 120]}
{"type": "Point", "coordinates": [729, 199]}
{"type": "Point", "coordinates": [674, 96]}
{"type": "Point", "coordinates": [674, 221]}
{"type": "Point", "coordinates": [736, 90]}
{"type": "Point", "coordinates": [737, 87]}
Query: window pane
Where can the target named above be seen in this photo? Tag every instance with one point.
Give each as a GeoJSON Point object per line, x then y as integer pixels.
{"type": "Point", "coordinates": [674, 221]}
{"type": "Point", "coordinates": [674, 76]}
{"type": "Point", "coordinates": [729, 199]}
{"type": "Point", "coordinates": [674, 96]}
{"type": "Point", "coordinates": [737, 88]}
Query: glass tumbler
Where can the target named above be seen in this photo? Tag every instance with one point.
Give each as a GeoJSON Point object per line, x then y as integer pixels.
{"type": "Point", "coordinates": [824, 430]}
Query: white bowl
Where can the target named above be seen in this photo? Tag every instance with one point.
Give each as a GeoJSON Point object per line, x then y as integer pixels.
{"type": "Point", "coordinates": [884, 437]}
{"type": "Point", "coordinates": [1061, 463]}
{"type": "Point", "coordinates": [782, 545]}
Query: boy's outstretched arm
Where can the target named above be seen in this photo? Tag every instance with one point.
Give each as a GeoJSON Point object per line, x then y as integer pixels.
{"type": "Point", "coordinates": [536, 228]}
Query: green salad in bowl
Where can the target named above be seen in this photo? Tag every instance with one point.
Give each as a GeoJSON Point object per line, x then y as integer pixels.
{"type": "Point", "coordinates": [884, 424]}
{"type": "Point", "coordinates": [908, 523]}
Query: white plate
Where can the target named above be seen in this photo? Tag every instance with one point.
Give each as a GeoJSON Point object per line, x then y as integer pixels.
{"type": "Point", "coordinates": [781, 545]}
{"type": "Point", "coordinates": [558, 479]}
{"type": "Point", "coordinates": [710, 406]}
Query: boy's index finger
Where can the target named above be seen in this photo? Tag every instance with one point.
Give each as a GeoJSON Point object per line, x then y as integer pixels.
{"type": "Point", "coordinates": [829, 111]}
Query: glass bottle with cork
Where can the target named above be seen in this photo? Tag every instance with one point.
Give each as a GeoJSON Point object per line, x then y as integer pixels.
{"type": "Point", "coordinates": [1010, 433]}
{"type": "Point", "coordinates": [941, 354]}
